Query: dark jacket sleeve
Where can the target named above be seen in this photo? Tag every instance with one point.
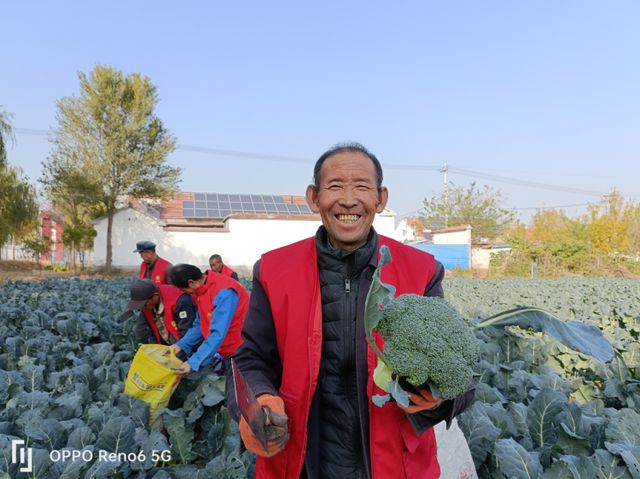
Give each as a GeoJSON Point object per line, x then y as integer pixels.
{"type": "Point", "coordinates": [423, 420]}
{"type": "Point", "coordinates": [434, 288]}
{"type": "Point", "coordinates": [143, 332]}
{"type": "Point", "coordinates": [234, 275]}
{"type": "Point", "coordinates": [258, 356]}
{"type": "Point", "coordinates": [184, 314]}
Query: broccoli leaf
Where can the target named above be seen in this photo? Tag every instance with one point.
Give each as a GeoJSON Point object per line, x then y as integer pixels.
{"type": "Point", "coordinates": [379, 294]}
{"type": "Point", "coordinates": [399, 394]}
{"type": "Point", "coordinates": [581, 337]}
{"type": "Point", "coordinates": [382, 375]}
{"type": "Point", "coordinates": [380, 400]}
{"type": "Point", "coordinates": [515, 461]}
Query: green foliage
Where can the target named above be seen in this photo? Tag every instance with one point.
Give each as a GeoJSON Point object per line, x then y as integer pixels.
{"type": "Point", "coordinates": [18, 205]}
{"type": "Point", "coordinates": [36, 245]}
{"type": "Point", "coordinates": [479, 208]}
{"type": "Point", "coordinates": [6, 133]}
{"type": "Point", "coordinates": [604, 242]}
{"type": "Point", "coordinates": [18, 201]}
{"type": "Point", "coordinates": [63, 360]}
{"type": "Point", "coordinates": [550, 411]}
{"type": "Point", "coordinates": [109, 143]}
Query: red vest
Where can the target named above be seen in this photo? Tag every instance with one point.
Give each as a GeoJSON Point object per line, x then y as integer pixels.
{"type": "Point", "coordinates": [169, 295]}
{"type": "Point", "coordinates": [289, 276]}
{"type": "Point", "coordinates": [206, 295]}
{"type": "Point", "coordinates": [226, 271]}
{"type": "Point", "coordinates": [159, 273]}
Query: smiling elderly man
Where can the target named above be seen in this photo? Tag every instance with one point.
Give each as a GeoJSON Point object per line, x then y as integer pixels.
{"type": "Point", "coordinates": [304, 352]}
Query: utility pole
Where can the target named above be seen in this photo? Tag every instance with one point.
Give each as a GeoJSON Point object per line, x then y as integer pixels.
{"type": "Point", "coordinates": [445, 179]}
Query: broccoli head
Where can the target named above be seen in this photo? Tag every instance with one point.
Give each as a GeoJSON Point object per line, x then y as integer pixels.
{"type": "Point", "coordinates": [426, 340]}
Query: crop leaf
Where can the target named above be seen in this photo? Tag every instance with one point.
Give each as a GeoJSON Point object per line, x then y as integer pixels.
{"type": "Point", "coordinates": [180, 437]}
{"type": "Point", "coordinates": [624, 427]}
{"type": "Point", "coordinates": [81, 438]}
{"type": "Point", "coordinates": [602, 464]}
{"type": "Point", "coordinates": [479, 431]}
{"type": "Point", "coordinates": [541, 414]}
{"type": "Point", "coordinates": [629, 454]}
{"type": "Point", "coordinates": [378, 296]}
{"type": "Point", "coordinates": [117, 435]}
{"type": "Point", "coordinates": [514, 461]}
{"type": "Point", "coordinates": [579, 336]}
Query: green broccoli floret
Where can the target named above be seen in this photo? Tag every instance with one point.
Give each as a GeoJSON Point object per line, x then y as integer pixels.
{"type": "Point", "coordinates": [426, 340]}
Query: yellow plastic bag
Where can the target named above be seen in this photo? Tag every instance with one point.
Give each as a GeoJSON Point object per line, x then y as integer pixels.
{"type": "Point", "coordinates": [153, 377]}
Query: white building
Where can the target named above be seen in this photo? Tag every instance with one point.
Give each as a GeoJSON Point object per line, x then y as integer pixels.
{"type": "Point", "coordinates": [190, 227]}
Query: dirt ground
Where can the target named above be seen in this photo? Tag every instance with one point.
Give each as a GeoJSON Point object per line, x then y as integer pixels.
{"type": "Point", "coordinates": [29, 270]}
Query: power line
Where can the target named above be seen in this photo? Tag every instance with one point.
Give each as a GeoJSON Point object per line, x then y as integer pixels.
{"type": "Point", "coordinates": [532, 184]}
{"type": "Point", "coordinates": [409, 167]}
{"type": "Point", "coordinates": [558, 206]}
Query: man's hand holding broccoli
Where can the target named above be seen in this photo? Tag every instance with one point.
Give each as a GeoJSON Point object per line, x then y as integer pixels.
{"type": "Point", "coordinates": [426, 342]}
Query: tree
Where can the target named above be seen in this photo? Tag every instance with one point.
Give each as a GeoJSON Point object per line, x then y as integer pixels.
{"type": "Point", "coordinates": [479, 208]}
{"type": "Point", "coordinates": [18, 201]}
{"type": "Point", "coordinates": [73, 195]}
{"type": "Point", "coordinates": [611, 224]}
{"type": "Point", "coordinates": [37, 245]}
{"type": "Point", "coordinates": [18, 205]}
{"type": "Point", "coordinates": [112, 138]}
{"type": "Point", "coordinates": [6, 134]}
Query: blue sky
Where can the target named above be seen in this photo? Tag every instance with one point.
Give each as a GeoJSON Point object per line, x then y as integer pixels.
{"type": "Point", "coordinates": [543, 91]}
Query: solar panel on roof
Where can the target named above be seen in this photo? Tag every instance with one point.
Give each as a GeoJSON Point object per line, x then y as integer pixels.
{"type": "Point", "coordinates": [282, 208]}
{"type": "Point", "coordinates": [187, 204]}
{"type": "Point", "coordinates": [278, 199]}
{"type": "Point", "coordinates": [223, 197]}
{"type": "Point", "coordinates": [224, 213]}
{"type": "Point", "coordinates": [201, 197]}
{"type": "Point", "coordinates": [188, 213]}
{"type": "Point", "coordinates": [201, 204]}
{"type": "Point", "coordinates": [224, 205]}
{"type": "Point", "coordinates": [235, 206]}
{"type": "Point", "coordinates": [245, 198]}
{"type": "Point", "coordinates": [234, 197]}
{"type": "Point", "coordinates": [201, 213]}
{"type": "Point", "coordinates": [215, 213]}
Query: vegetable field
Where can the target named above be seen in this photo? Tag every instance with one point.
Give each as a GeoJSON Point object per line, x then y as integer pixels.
{"type": "Point", "coordinates": [63, 360]}
{"type": "Point", "coordinates": [542, 410]}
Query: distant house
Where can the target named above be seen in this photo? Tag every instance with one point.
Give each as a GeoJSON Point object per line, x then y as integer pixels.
{"type": "Point", "coordinates": [189, 227]}
{"type": "Point", "coordinates": [52, 227]}
{"type": "Point", "coordinates": [451, 246]}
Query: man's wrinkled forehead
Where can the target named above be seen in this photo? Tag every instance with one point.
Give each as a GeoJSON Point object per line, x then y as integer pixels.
{"type": "Point", "coordinates": [348, 165]}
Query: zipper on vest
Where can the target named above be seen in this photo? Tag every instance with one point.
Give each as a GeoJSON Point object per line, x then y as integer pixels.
{"type": "Point", "coordinates": [347, 285]}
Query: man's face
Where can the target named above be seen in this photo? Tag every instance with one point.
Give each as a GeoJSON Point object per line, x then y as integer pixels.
{"type": "Point", "coordinates": [216, 265]}
{"type": "Point", "coordinates": [347, 199]}
{"type": "Point", "coordinates": [152, 302]}
{"type": "Point", "coordinates": [148, 256]}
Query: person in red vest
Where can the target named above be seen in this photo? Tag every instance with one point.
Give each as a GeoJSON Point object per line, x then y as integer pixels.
{"type": "Point", "coordinates": [222, 303]}
{"type": "Point", "coordinates": [305, 355]}
{"type": "Point", "coordinates": [166, 312]}
{"type": "Point", "coordinates": [217, 266]}
{"type": "Point", "coordinates": [153, 267]}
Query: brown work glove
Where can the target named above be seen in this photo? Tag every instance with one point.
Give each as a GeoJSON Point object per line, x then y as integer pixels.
{"type": "Point", "coordinates": [420, 401]}
{"type": "Point", "coordinates": [276, 428]}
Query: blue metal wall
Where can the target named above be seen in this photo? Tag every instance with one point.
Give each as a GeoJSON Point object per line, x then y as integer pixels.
{"type": "Point", "coordinates": [450, 255]}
